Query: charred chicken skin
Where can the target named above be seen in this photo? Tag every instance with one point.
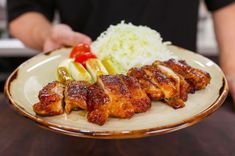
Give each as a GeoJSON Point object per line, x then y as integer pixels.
{"type": "Point", "coordinates": [51, 100]}
{"type": "Point", "coordinates": [152, 91]}
{"type": "Point", "coordinates": [75, 95]}
{"type": "Point", "coordinates": [139, 98]}
{"type": "Point", "coordinates": [196, 78]}
{"type": "Point", "coordinates": [180, 83]}
{"type": "Point", "coordinates": [166, 84]}
{"type": "Point", "coordinates": [97, 105]}
{"type": "Point", "coordinates": [115, 95]}
{"type": "Point", "coordinates": [119, 97]}
{"type": "Point", "coordinates": [122, 96]}
{"type": "Point", "coordinates": [108, 97]}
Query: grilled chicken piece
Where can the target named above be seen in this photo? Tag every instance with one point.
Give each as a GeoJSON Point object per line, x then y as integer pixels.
{"type": "Point", "coordinates": [180, 83]}
{"type": "Point", "coordinates": [75, 95]}
{"type": "Point", "coordinates": [120, 99]}
{"type": "Point", "coordinates": [184, 88]}
{"type": "Point", "coordinates": [166, 84]}
{"type": "Point", "coordinates": [51, 100]}
{"type": "Point", "coordinates": [121, 96]}
{"type": "Point", "coordinates": [97, 105]}
{"type": "Point", "coordinates": [115, 95]}
{"type": "Point", "coordinates": [139, 99]}
{"type": "Point", "coordinates": [160, 80]}
{"type": "Point", "coordinates": [108, 97]}
{"type": "Point", "coordinates": [196, 78]}
{"type": "Point", "coordinates": [153, 92]}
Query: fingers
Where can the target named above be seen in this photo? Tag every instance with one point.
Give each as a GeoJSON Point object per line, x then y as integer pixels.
{"type": "Point", "coordinates": [50, 45]}
{"type": "Point", "coordinates": [81, 38]}
{"type": "Point", "coordinates": [64, 35]}
{"type": "Point", "coordinates": [231, 83]}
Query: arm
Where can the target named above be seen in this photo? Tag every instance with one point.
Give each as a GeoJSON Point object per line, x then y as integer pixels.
{"type": "Point", "coordinates": [35, 31]}
{"type": "Point", "coordinates": [31, 28]}
{"type": "Point", "coordinates": [224, 23]}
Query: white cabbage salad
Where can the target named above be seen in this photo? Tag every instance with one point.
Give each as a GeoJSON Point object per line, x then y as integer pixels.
{"type": "Point", "coordinates": [127, 46]}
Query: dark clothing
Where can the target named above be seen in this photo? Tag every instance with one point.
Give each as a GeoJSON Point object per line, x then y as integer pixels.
{"type": "Point", "coordinates": [175, 20]}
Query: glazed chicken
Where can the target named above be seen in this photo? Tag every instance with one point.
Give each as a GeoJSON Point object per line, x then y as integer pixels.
{"type": "Point", "coordinates": [180, 83]}
{"type": "Point", "coordinates": [75, 95]}
{"type": "Point", "coordinates": [51, 100]}
{"type": "Point", "coordinates": [122, 96]}
{"type": "Point", "coordinates": [153, 92]}
{"type": "Point", "coordinates": [97, 105]}
{"type": "Point", "coordinates": [139, 98]}
{"type": "Point", "coordinates": [196, 78]}
{"type": "Point", "coordinates": [166, 84]}
{"type": "Point", "coordinates": [117, 96]}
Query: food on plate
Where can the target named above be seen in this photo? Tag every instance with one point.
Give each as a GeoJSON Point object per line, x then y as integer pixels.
{"type": "Point", "coordinates": [79, 50]}
{"type": "Point", "coordinates": [82, 65]}
{"type": "Point", "coordinates": [78, 72]}
{"type": "Point", "coordinates": [118, 103]}
{"type": "Point", "coordinates": [65, 63]}
{"type": "Point", "coordinates": [125, 68]}
{"type": "Point", "coordinates": [97, 105]}
{"type": "Point", "coordinates": [117, 96]}
{"type": "Point", "coordinates": [165, 84]}
{"type": "Point", "coordinates": [197, 79]}
{"type": "Point", "coordinates": [139, 98]}
{"type": "Point", "coordinates": [125, 46]}
{"type": "Point", "coordinates": [81, 53]}
{"type": "Point", "coordinates": [110, 66]}
{"type": "Point", "coordinates": [122, 96]}
{"type": "Point", "coordinates": [182, 85]}
{"type": "Point", "coordinates": [95, 68]}
{"type": "Point", "coordinates": [153, 92]}
{"type": "Point", "coordinates": [63, 75]}
{"type": "Point", "coordinates": [75, 95]}
{"type": "Point", "coordinates": [51, 100]}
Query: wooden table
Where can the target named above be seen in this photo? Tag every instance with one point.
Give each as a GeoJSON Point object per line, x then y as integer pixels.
{"type": "Point", "coordinates": [213, 136]}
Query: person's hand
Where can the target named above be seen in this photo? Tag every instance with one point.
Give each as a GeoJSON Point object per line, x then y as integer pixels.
{"type": "Point", "coordinates": [62, 35]}
{"type": "Point", "coordinates": [231, 83]}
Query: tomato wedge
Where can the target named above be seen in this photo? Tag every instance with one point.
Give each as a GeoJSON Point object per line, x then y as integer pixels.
{"type": "Point", "coordinates": [83, 58]}
{"type": "Point", "coordinates": [79, 50]}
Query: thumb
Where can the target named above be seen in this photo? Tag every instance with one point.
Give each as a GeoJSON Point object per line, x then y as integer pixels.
{"type": "Point", "coordinates": [80, 38]}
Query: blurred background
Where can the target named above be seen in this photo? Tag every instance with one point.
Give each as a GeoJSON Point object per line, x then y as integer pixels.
{"type": "Point", "coordinates": [13, 52]}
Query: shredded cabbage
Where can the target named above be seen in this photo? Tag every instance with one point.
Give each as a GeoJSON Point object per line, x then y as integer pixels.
{"type": "Point", "coordinates": [127, 46]}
